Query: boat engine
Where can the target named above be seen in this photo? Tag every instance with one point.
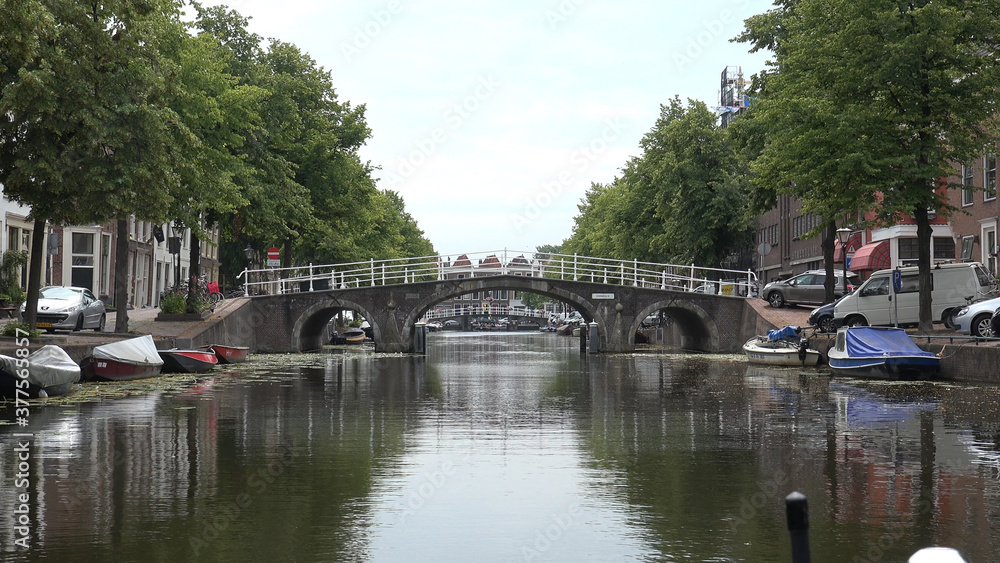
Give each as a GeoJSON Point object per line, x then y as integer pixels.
{"type": "Point", "coordinates": [803, 346]}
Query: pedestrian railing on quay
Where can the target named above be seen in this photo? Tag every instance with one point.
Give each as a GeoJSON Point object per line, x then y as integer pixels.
{"type": "Point", "coordinates": [393, 271]}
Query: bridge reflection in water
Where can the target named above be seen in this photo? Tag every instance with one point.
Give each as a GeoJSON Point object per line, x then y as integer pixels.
{"type": "Point", "coordinates": [479, 448]}
{"type": "Point", "coordinates": [394, 295]}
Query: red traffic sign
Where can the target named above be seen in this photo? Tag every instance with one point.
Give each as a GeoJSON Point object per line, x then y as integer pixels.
{"type": "Point", "coordinates": [273, 253]}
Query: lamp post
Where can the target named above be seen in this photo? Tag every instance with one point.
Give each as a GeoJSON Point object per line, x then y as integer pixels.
{"type": "Point", "coordinates": [248, 252]}
{"type": "Point", "coordinates": [843, 235]}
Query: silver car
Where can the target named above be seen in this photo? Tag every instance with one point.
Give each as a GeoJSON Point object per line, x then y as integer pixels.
{"type": "Point", "coordinates": [68, 308]}
{"type": "Point", "coordinates": [974, 318]}
{"type": "Point", "coordinates": [807, 288]}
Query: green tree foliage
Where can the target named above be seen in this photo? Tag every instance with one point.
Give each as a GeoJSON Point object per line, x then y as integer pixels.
{"type": "Point", "coordinates": [870, 104]}
{"type": "Point", "coordinates": [681, 201]}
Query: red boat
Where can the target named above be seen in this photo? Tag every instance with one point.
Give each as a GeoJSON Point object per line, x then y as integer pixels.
{"type": "Point", "coordinates": [230, 354]}
{"type": "Point", "coordinates": [135, 358]}
{"type": "Point", "coordinates": [187, 361]}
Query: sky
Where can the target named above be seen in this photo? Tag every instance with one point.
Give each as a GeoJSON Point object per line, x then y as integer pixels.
{"type": "Point", "coordinates": [492, 119]}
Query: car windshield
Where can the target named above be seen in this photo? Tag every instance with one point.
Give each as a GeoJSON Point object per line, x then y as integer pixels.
{"type": "Point", "coordinates": [62, 293]}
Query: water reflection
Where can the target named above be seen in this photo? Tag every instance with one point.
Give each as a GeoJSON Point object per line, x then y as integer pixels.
{"type": "Point", "coordinates": [511, 447]}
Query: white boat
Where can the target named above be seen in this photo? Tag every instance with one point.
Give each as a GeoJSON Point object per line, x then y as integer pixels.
{"type": "Point", "coordinates": [49, 371]}
{"type": "Point", "coordinates": [777, 348]}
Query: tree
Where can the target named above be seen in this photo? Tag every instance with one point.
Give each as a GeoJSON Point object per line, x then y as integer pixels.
{"type": "Point", "coordinates": [85, 131]}
{"type": "Point", "coordinates": [870, 104]}
{"type": "Point", "coordinates": [681, 201]}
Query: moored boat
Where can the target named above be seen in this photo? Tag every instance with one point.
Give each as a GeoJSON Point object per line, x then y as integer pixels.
{"type": "Point", "coordinates": [176, 360]}
{"type": "Point", "coordinates": [48, 371]}
{"type": "Point", "coordinates": [230, 354]}
{"type": "Point", "coordinates": [885, 353]}
{"type": "Point", "coordinates": [135, 358]}
{"type": "Point", "coordinates": [781, 347]}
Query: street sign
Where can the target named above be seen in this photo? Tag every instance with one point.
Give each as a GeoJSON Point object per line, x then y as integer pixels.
{"type": "Point", "coordinates": [273, 257]}
{"type": "Point", "coordinates": [764, 248]}
{"type": "Point", "coordinates": [897, 281]}
{"type": "Point", "coordinates": [596, 296]}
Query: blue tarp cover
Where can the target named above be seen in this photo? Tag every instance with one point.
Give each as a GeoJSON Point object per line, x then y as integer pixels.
{"type": "Point", "coordinates": [881, 342]}
{"type": "Point", "coordinates": [783, 333]}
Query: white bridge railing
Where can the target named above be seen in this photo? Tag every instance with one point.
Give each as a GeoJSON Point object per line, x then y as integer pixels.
{"type": "Point", "coordinates": [489, 309]}
{"type": "Point", "coordinates": [677, 277]}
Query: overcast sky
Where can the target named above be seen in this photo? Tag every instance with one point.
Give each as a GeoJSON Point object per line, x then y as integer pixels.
{"type": "Point", "coordinates": [492, 119]}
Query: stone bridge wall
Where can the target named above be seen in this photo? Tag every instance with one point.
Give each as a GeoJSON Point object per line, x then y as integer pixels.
{"type": "Point", "coordinates": [294, 322]}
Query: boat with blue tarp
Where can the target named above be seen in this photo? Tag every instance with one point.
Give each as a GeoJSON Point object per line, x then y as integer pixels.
{"type": "Point", "coordinates": [882, 352]}
{"type": "Point", "coordinates": [781, 347]}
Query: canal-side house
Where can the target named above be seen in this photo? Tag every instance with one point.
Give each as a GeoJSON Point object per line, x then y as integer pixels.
{"type": "Point", "coordinates": [84, 256]}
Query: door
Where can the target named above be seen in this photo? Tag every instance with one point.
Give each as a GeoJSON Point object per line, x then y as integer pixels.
{"type": "Point", "coordinates": [873, 300]}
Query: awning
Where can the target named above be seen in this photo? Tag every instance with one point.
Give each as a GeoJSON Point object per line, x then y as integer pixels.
{"type": "Point", "coordinates": [870, 257]}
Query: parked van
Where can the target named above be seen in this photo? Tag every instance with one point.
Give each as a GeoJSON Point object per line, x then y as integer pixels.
{"type": "Point", "coordinates": [952, 286]}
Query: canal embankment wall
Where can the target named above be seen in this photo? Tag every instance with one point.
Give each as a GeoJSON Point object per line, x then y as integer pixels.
{"type": "Point", "coordinates": [962, 358]}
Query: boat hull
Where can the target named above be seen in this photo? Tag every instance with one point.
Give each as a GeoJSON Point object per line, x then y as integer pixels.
{"type": "Point", "coordinates": [231, 354]}
{"type": "Point", "coordinates": [896, 367]}
{"type": "Point", "coordinates": [9, 386]}
{"type": "Point", "coordinates": [112, 370]}
{"type": "Point", "coordinates": [779, 353]}
{"type": "Point", "coordinates": [187, 361]}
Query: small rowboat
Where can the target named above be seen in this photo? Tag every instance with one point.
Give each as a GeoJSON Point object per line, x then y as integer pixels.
{"type": "Point", "coordinates": [135, 358]}
{"type": "Point", "coordinates": [230, 354]}
{"type": "Point", "coordinates": [778, 348]}
{"type": "Point", "coordinates": [47, 372]}
{"type": "Point", "coordinates": [187, 361]}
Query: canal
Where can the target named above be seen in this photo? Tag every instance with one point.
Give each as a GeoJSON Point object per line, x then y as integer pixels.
{"type": "Point", "coordinates": [503, 447]}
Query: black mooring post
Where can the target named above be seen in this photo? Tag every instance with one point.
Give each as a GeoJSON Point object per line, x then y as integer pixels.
{"type": "Point", "coordinates": [797, 513]}
{"type": "Point", "coordinates": [583, 339]}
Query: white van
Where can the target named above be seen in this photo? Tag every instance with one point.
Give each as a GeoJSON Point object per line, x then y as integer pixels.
{"type": "Point", "coordinates": [952, 286]}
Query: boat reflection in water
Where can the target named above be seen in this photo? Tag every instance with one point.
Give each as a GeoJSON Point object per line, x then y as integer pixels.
{"type": "Point", "coordinates": [505, 446]}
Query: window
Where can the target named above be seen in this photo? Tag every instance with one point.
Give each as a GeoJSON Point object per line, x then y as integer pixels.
{"type": "Point", "coordinates": [911, 283]}
{"type": "Point", "coordinates": [876, 287]}
{"type": "Point", "coordinates": [967, 189]}
{"type": "Point", "coordinates": [907, 249]}
{"type": "Point", "coordinates": [944, 248]}
{"type": "Point", "coordinates": [82, 247]}
{"type": "Point", "coordinates": [990, 178]}
{"type": "Point", "coordinates": [990, 250]}
{"type": "Point", "coordinates": [967, 244]}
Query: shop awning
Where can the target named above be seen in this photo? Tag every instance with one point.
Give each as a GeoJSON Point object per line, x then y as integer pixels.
{"type": "Point", "coordinates": [870, 257]}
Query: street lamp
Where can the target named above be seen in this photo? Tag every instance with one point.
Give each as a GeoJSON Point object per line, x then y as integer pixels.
{"type": "Point", "coordinates": [843, 235]}
{"type": "Point", "coordinates": [248, 252]}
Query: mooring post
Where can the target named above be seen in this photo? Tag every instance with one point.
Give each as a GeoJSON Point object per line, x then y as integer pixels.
{"type": "Point", "coordinates": [594, 337]}
{"type": "Point", "coordinates": [797, 515]}
{"type": "Point", "coordinates": [420, 339]}
{"type": "Point", "coordinates": [583, 339]}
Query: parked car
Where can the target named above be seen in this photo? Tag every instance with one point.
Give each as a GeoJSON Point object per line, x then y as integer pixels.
{"type": "Point", "coordinates": [705, 288]}
{"type": "Point", "coordinates": [451, 324]}
{"type": "Point", "coordinates": [68, 308]}
{"type": "Point", "coordinates": [822, 317]}
{"type": "Point", "coordinates": [976, 318]}
{"type": "Point", "coordinates": [876, 303]}
{"type": "Point", "coordinates": [995, 322]}
{"type": "Point", "coordinates": [808, 288]}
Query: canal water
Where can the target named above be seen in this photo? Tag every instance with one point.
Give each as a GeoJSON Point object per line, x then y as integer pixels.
{"type": "Point", "coordinates": [502, 447]}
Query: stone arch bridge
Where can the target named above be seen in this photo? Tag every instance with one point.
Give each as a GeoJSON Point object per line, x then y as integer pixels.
{"type": "Point", "coordinates": [704, 322]}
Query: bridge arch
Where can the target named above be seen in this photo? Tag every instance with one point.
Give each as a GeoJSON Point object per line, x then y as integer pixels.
{"type": "Point", "coordinates": [307, 332]}
{"type": "Point", "coordinates": [516, 283]}
{"type": "Point", "coordinates": [698, 329]}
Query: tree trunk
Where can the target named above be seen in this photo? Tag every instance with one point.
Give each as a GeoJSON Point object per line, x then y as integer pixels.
{"type": "Point", "coordinates": [924, 267]}
{"type": "Point", "coordinates": [194, 273]}
{"type": "Point", "coordinates": [121, 275]}
{"type": "Point", "coordinates": [35, 273]}
{"type": "Point", "coordinates": [829, 236]}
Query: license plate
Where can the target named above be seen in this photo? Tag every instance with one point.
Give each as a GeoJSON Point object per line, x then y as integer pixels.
{"type": "Point", "coordinates": [43, 325]}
